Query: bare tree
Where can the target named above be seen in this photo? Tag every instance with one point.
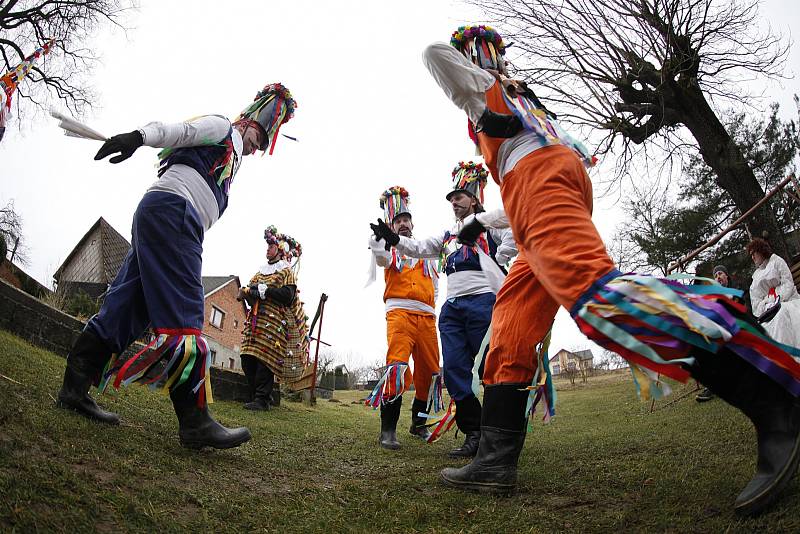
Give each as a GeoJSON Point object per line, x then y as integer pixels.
{"type": "Point", "coordinates": [25, 25]}
{"type": "Point", "coordinates": [639, 70]}
{"type": "Point", "coordinates": [11, 234]}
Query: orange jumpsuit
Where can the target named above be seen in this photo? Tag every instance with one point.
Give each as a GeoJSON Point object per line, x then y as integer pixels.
{"type": "Point", "coordinates": [411, 324]}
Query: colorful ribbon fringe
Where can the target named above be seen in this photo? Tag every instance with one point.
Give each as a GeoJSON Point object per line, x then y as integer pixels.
{"type": "Point", "coordinates": [441, 425]}
{"type": "Point", "coordinates": [435, 396]}
{"type": "Point", "coordinates": [389, 387]}
{"type": "Point", "coordinates": [542, 389]}
{"type": "Point", "coordinates": [187, 360]}
{"type": "Point", "coordinates": [654, 323]}
{"type": "Point", "coordinates": [539, 121]}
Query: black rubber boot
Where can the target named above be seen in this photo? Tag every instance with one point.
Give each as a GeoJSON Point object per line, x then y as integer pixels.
{"type": "Point", "coordinates": [390, 413]}
{"type": "Point", "coordinates": [468, 419]}
{"type": "Point", "coordinates": [196, 427]}
{"type": "Point", "coordinates": [257, 405]}
{"type": "Point", "coordinates": [85, 362]}
{"type": "Point", "coordinates": [494, 469]}
{"type": "Point", "coordinates": [773, 411]}
{"type": "Point", "coordinates": [418, 428]}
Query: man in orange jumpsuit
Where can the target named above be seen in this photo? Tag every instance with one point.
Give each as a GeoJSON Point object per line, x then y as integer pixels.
{"type": "Point", "coordinates": [410, 297]}
{"type": "Point", "coordinates": [662, 327]}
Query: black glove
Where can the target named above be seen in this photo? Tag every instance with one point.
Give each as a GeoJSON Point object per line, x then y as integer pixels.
{"type": "Point", "coordinates": [253, 291]}
{"type": "Point", "coordinates": [126, 144]}
{"type": "Point", "coordinates": [498, 124]}
{"type": "Point", "coordinates": [470, 232]}
{"type": "Point", "coordinates": [382, 231]}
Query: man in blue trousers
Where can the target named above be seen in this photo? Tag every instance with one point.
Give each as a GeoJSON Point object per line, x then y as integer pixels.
{"type": "Point", "coordinates": [159, 284]}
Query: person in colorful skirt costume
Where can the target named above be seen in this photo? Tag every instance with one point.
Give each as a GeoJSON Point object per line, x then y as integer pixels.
{"type": "Point", "coordinates": [275, 337]}
{"type": "Point", "coordinates": [159, 284]}
{"type": "Point", "coordinates": [472, 272]}
{"type": "Point", "coordinates": [662, 327]}
{"type": "Point", "coordinates": [410, 297]}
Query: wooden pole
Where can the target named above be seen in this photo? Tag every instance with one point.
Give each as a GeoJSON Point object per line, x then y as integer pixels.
{"type": "Point", "coordinates": [685, 259]}
{"type": "Point", "coordinates": [321, 308]}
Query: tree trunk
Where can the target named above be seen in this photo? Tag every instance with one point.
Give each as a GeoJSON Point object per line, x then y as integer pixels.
{"type": "Point", "coordinates": [734, 175]}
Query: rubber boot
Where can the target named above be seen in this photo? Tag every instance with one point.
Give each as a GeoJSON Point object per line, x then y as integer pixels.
{"type": "Point", "coordinates": [85, 362]}
{"type": "Point", "coordinates": [196, 427]}
{"type": "Point", "coordinates": [775, 414]}
{"type": "Point", "coordinates": [494, 468]}
{"type": "Point", "coordinates": [468, 419]}
{"type": "Point", "coordinates": [418, 428]}
{"type": "Point", "coordinates": [390, 413]}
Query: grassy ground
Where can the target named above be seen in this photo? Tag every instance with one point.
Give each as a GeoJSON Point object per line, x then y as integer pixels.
{"type": "Point", "coordinates": [604, 464]}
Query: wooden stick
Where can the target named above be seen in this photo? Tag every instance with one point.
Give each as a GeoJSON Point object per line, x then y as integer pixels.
{"type": "Point", "coordinates": [685, 259]}
{"type": "Point", "coordinates": [321, 309]}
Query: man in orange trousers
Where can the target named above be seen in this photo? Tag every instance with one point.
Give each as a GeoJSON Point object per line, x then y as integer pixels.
{"type": "Point", "coordinates": [410, 297]}
{"type": "Point", "coordinates": [661, 327]}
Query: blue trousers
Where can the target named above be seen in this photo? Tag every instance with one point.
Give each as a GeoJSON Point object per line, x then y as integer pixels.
{"type": "Point", "coordinates": [159, 283]}
{"type": "Point", "coordinates": [463, 323]}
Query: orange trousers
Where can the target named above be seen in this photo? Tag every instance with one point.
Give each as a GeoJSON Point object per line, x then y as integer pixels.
{"type": "Point", "coordinates": [548, 200]}
{"type": "Point", "coordinates": [413, 333]}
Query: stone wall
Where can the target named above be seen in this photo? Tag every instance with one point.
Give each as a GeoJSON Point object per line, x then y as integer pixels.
{"type": "Point", "coordinates": [55, 331]}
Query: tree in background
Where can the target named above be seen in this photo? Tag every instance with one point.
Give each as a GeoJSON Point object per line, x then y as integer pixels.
{"type": "Point", "coordinates": [13, 246]}
{"type": "Point", "coordinates": [660, 232]}
{"type": "Point", "coordinates": [646, 72]}
{"type": "Point", "coordinates": [26, 25]}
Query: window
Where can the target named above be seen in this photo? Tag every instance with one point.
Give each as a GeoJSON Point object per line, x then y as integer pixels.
{"type": "Point", "coordinates": [236, 323]}
{"type": "Point", "coordinates": [230, 361]}
{"type": "Point", "coordinates": [556, 369]}
{"type": "Point", "coordinates": [213, 357]}
{"type": "Point", "coordinates": [217, 317]}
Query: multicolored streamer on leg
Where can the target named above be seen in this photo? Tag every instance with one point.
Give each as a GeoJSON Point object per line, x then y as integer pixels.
{"type": "Point", "coordinates": [168, 362]}
{"type": "Point", "coordinates": [656, 323]}
{"type": "Point", "coordinates": [389, 387]}
{"type": "Point", "coordinates": [542, 389]}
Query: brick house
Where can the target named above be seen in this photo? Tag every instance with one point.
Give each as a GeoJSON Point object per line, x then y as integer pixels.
{"type": "Point", "coordinates": [224, 318]}
{"type": "Point", "coordinates": [94, 262]}
{"type": "Point", "coordinates": [581, 360]}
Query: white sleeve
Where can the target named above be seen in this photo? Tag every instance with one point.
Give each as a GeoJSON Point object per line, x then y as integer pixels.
{"type": "Point", "coordinates": [464, 84]}
{"type": "Point", "coordinates": [494, 219]}
{"type": "Point", "coordinates": [757, 297]}
{"type": "Point", "coordinates": [786, 288]}
{"type": "Point", "coordinates": [435, 289]}
{"type": "Point", "coordinates": [507, 248]}
{"type": "Point", "coordinates": [382, 257]}
{"type": "Point", "coordinates": [205, 130]}
{"type": "Point", "coordinates": [421, 248]}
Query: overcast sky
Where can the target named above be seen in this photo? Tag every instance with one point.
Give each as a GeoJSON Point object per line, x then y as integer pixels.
{"type": "Point", "coordinates": [369, 116]}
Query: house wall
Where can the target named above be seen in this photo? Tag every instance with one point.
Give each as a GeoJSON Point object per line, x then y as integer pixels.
{"type": "Point", "coordinates": [87, 263]}
{"type": "Point", "coordinates": [227, 339]}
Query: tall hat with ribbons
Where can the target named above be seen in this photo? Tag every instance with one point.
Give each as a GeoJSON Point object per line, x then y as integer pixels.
{"type": "Point", "coordinates": [272, 107]}
{"type": "Point", "coordinates": [469, 178]}
{"type": "Point", "coordinates": [288, 247]}
{"type": "Point", "coordinates": [394, 201]}
{"type": "Point", "coordinates": [481, 44]}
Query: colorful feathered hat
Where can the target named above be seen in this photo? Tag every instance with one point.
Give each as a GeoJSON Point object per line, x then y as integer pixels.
{"type": "Point", "coordinates": [272, 106]}
{"type": "Point", "coordinates": [469, 178]}
{"type": "Point", "coordinates": [288, 247]}
{"type": "Point", "coordinates": [394, 201]}
{"type": "Point", "coordinates": [481, 44]}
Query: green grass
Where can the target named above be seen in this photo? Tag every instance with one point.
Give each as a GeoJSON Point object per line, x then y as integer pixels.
{"type": "Point", "coordinates": [604, 464]}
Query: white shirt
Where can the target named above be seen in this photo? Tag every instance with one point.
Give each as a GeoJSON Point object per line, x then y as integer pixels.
{"type": "Point", "coordinates": [183, 180]}
{"type": "Point", "coordinates": [465, 84]}
{"type": "Point", "coordinates": [460, 283]}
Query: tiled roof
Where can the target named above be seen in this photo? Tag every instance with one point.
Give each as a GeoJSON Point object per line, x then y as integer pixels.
{"type": "Point", "coordinates": [212, 283]}
{"type": "Point", "coordinates": [114, 248]}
